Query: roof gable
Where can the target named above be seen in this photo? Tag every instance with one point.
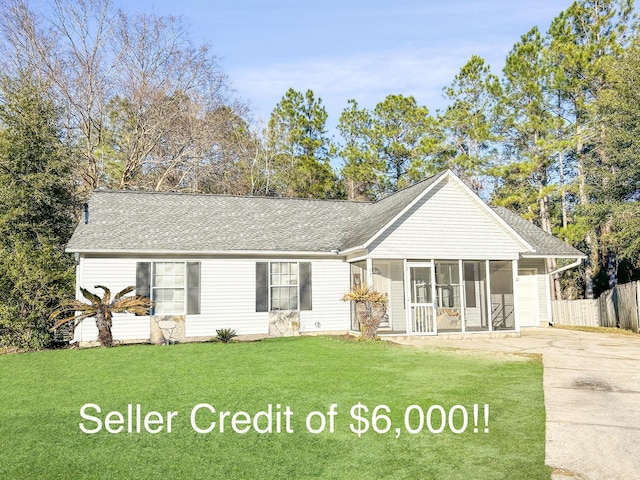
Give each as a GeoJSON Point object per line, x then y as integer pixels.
{"type": "Point", "coordinates": [385, 212]}
{"type": "Point", "coordinates": [451, 222]}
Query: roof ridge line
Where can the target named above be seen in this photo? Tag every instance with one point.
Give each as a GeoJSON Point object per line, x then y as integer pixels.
{"type": "Point", "coordinates": [228, 195]}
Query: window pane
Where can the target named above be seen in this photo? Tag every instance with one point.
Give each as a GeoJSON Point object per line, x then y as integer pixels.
{"type": "Point", "coordinates": [158, 281]}
{"type": "Point", "coordinates": [275, 299]}
{"type": "Point", "coordinates": [284, 298]}
{"type": "Point", "coordinates": [455, 273]}
{"type": "Point", "coordinates": [293, 298]}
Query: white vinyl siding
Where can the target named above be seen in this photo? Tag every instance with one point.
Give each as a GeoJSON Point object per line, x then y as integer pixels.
{"type": "Point", "coordinates": [228, 288]}
{"type": "Point", "coordinates": [398, 320]}
{"type": "Point", "coordinates": [330, 281]}
{"type": "Point", "coordinates": [115, 274]}
{"type": "Point", "coordinates": [448, 223]}
{"type": "Point", "coordinates": [227, 297]}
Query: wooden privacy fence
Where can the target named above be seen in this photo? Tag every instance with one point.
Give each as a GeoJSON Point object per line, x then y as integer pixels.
{"type": "Point", "coordinates": [618, 307]}
{"type": "Point", "coordinates": [576, 312]}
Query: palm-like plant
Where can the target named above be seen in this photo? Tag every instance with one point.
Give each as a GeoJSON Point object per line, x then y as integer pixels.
{"type": "Point", "coordinates": [371, 307]}
{"type": "Point", "coordinates": [102, 309]}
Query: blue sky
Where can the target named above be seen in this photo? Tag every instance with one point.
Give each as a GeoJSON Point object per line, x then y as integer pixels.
{"type": "Point", "coordinates": [362, 49]}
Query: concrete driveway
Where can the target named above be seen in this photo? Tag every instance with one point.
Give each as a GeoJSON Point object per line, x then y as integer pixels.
{"type": "Point", "coordinates": [592, 398]}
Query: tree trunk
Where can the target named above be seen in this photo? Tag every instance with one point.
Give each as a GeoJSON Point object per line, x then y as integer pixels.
{"type": "Point", "coordinates": [545, 223]}
{"type": "Point", "coordinates": [103, 322]}
{"type": "Point", "coordinates": [369, 317]}
{"type": "Point", "coordinates": [584, 200]}
{"type": "Point", "coordinates": [563, 190]}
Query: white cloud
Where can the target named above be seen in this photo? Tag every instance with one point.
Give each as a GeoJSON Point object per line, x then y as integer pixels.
{"type": "Point", "coordinates": [368, 78]}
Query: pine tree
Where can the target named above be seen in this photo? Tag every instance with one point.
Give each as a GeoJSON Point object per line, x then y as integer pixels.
{"type": "Point", "coordinates": [363, 171]}
{"type": "Point", "coordinates": [301, 148]}
{"type": "Point", "coordinates": [468, 121]}
{"type": "Point", "coordinates": [528, 126]}
{"type": "Point", "coordinates": [584, 39]}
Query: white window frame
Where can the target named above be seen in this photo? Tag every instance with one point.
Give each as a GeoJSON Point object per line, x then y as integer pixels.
{"type": "Point", "coordinates": [449, 287]}
{"type": "Point", "coordinates": [174, 288]}
{"type": "Point", "coordinates": [283, 286]}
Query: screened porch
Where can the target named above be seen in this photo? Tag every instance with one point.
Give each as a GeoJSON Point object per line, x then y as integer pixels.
{"type": "Point", "coordinates": [430, 297]}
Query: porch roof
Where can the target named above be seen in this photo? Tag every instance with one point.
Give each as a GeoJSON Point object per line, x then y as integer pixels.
{"type": "Point", "coordinates": [544, 244]}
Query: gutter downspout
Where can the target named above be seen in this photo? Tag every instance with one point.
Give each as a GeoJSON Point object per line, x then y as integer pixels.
{"type": "Point", "coordinates": [566, 267]}
{"type": "Point", "coordinates": [558, 270]}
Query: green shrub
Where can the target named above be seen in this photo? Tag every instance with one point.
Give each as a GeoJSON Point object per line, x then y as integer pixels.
{"type": "Point", "coordinates": [225, 335]}
{"type": "Point", "coordinates": [24, 338]}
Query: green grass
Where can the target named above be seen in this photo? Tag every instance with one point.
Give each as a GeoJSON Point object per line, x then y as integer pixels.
{"type": "Point", "coordinates": [41, 395]}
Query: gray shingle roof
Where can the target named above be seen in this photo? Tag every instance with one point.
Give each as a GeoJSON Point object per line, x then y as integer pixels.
{"type": "Point", "coordinates": [145, 221]}
{"type": "Point", "coordinates": [123, 221]}
{"type": "Point", "coordinates": [543, 243]}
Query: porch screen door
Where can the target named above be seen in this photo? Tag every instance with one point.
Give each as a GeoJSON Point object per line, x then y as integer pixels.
{"type": "Point", "coordinates": [421, 312]}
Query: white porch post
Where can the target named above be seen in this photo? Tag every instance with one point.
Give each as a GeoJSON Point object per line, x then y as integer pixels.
{"type": "Point", "coordinates": [489, 306]}
{"type": "Point", "coordinates": [463, 299]}
{"type": "Point", "coordinates": [407, 298]}
{"type": "Point", "coordinates": [548, 290]}
{"type": "Point", "coordinates": [516, 316]}
{"type": "Point", "coordinates": [369, 272]}
{"type": "Point", "coordinates": [77, 332]}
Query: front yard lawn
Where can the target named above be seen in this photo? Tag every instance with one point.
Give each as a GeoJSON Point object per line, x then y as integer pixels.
{"type": "Point", "coordinates": [42, 393]}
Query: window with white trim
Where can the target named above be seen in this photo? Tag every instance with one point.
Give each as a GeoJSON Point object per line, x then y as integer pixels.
{"type": "Point", "coordinates": [283, 286]}
{"type": "Point", "coordinates": [174, 287]}
{"type": "Point", "coordinates": [448, 284]}
{"type": "Point", "coordinates": [168, 286]}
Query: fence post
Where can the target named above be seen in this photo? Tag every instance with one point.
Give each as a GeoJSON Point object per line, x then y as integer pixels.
{"type": "Point", "coordinates": [637, 288]}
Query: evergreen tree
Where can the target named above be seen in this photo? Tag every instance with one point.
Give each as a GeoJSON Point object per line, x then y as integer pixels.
{"type": "Point", "coordinates": [36, 214]}
{"type": "Point", "coordinates": [388, 148]}
{"type": "Point", "coordinates": [584, 40]}
{"type": "Point", "coordinates": [363, 171]}
{"type": "Point", "coordinates": [528, 127]}
{"type": "Point", "coordinates": [615, 184]}
{"type": "Point", "coordinates": [468, 122]}
{"type": "Point", "coordinates": [301, 147]}
{"type": "Point", "coordinates": [402, 137]}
